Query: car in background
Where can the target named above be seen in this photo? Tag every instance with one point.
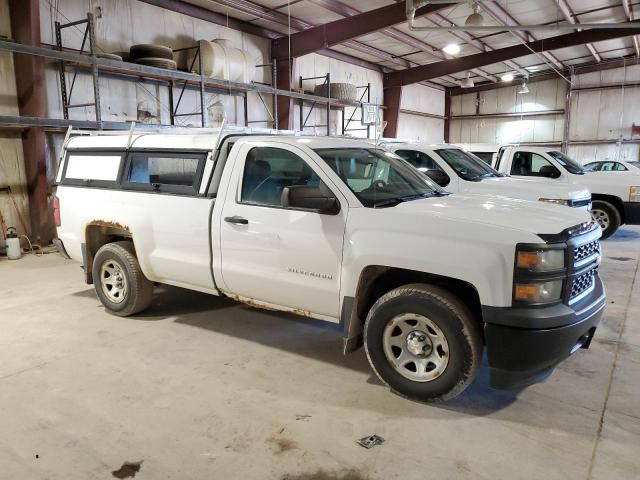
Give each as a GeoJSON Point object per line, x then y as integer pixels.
{"type": "Point", "coordinates": [612, 166]}
{"type": "Point", "coordinates": [462, 172]}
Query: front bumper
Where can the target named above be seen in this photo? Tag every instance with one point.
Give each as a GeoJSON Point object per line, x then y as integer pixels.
{"type": "Point", "coordinates": [519, 354]}
{"type": "Point", "coordinates": [631, 213]}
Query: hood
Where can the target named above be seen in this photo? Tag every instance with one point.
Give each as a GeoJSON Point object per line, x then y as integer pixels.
{"type": "Point", "coordinates": [532, 189]}
{"type": "Point", "coordinates": [509, 213]}
{"type": "Point", "coordinates": [631, 176]}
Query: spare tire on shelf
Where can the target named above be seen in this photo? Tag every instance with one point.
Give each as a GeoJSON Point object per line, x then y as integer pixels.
{"type": "Point", "coordinates": [109, 56]}
{"type": "Point", "coordinates": [158, 63]}
{"type": "Point", "coordinates": [339, 91]}
{"type": "Point", "coordinates": [145, 50]}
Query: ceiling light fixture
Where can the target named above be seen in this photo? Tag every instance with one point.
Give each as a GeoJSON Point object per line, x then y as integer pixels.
{"type": "Point", "coordinates": [467, 82]}
{"type": "Point", "coordinates": [507, 77]}
{"type": "Point", "coordinates": [523, 88]}
{"type": "Point", "coordinates": [452, 49]}
{"type": "Point", "coordinates": [475, 19]}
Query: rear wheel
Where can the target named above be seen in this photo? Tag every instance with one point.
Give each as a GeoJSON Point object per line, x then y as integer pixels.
{"type": "Point", "coordinates": [118, 279]}
{"type": "Point", "coordinates": [607, 216]}
{"type": "Point", "coordinates": [423, 342]}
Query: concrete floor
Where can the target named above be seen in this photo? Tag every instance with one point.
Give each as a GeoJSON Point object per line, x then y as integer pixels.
{"type": "Point", "coordinates": [202, 388]}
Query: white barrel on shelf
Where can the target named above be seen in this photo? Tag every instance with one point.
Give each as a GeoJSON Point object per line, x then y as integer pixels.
{"type": "Point", "coordinates": [221, 60]}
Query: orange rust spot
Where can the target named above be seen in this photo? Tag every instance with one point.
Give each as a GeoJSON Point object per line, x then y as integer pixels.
{"type": "Point", "coordinates": [253, 303]}
{"type": "Point", "coordinates": [108, 224]}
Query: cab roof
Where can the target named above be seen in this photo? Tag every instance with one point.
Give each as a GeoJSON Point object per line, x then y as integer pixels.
{"type": "Point", "coordinates": [201, 141]}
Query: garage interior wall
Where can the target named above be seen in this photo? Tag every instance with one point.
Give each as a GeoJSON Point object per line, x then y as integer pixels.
{"type": "Point", "coordinates": [12, 172]}
{"type": "Point", "coordinates": [600, 118]}
{"type": "Point", "coordinates": [543, 96]}
{"type": "Point", "coordinates": [426, 100]}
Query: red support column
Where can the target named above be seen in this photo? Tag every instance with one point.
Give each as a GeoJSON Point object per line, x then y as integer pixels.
{"type": "Point", "coordinates": [29, 73]}
{"type": "Point", "coordinates": [284, 70]}
{"type": "Point", "coordinates": [391, 103]}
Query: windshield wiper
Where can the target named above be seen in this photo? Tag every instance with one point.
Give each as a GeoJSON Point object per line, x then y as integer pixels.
{"type": "Point", "coordinates": [392, 202]}
{"type": "Point", "coordinates": [483, 175]}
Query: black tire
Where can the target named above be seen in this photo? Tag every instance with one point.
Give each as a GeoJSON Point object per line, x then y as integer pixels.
{"type": "Point", "coordinates": [110, 56]}
{"type": "Point", "coordinates": [607, 215]}
{"type": "Point", "coordinates": [143, 50]}
{"type": "Point", "coordinates": [139, 290]}
{"type": "Point", "coordinates": [339, 91]}
{"type": "Point", "coordinates": [452, 318]}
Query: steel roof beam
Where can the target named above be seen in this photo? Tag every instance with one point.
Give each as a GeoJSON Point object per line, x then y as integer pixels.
{"type": "Point", "coordinates": [340, 8]}
{"type": "Point", "coordinates": [570, 17]}
{"type": "Point", "coordinates": [498, 12]}
{"type": "Point", "coordinates": [343, 30]}
{"type": "Point", "coordinates": [435, 70]}
{"type": "Point", "coordinates": [631, 16]}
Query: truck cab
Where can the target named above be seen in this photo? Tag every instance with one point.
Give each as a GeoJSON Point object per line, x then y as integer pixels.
{"type": "Point", "coordinates": [616, 195]}
{"type": "Point", "coordinates": [341, 231]}
{"type": "Point", "coordinates": [459, 171]}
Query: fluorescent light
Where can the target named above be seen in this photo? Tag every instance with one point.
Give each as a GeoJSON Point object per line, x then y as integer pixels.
{"type": "Point", "coordinates": [452, 49]}
{"type": "Point", "coordinates": [507, 77]}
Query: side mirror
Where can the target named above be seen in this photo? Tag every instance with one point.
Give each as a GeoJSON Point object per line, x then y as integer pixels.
{"type": "Point", "coordinates": [308, 197]}
{"type": "Point", "coordinates": [549, 171]}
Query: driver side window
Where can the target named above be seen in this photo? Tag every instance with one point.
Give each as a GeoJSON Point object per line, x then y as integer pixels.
{"type": "Point", "coordinates": [531, 164]}
{"type": "Point", "coordinates": [426, 165]}
{"type": "Point", "coordinates": [268, 170]}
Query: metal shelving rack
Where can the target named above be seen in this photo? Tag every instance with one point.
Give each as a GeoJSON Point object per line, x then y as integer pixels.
{"type": "Point", "coordinates": [89, 33]}
{"type": "Point", "coordinates": [337, 105]}
{"type": "Point", "coordinates": [87, 61]}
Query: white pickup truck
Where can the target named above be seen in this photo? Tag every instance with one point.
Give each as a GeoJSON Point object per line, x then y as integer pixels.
{"type": "Point", "coordinates": [461, 172]}
{"type": "Point", "coordinates": [616, 198]}
{"type": "Point", "coordinates": [335, 229]}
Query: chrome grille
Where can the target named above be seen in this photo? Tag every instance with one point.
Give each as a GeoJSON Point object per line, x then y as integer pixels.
{"type": "Point", "coordinates": [586, 250]}
{"type": "Point", "coordinates": [582, 283]}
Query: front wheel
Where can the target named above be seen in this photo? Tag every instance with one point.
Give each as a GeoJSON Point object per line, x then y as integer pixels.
{"type": "Point", "coordinates": [607, 216]}
{"type": "Point", "coordinates": [119, 282]}
{"type": "Point", "coordinates": [423, 342]}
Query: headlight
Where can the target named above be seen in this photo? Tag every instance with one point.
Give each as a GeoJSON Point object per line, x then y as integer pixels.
{"type": "Point", "coordinates": [541, 260]}
{"type": "Point", "coordinates": [542, 292]}
{"type": "Point", "coordinates": [634, 194]}
{"type": "Point", "coordinates": [557, 201]}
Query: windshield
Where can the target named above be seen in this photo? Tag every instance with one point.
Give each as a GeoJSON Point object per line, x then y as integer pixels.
{"type": "Point", "coordinates": [378, 178]}
{"type": "Point", "coordinates": [569, 164]}
{"type": "Point", "coordinates": [635, 164]}
{"type": "Point", "coordinates": [466, 165]}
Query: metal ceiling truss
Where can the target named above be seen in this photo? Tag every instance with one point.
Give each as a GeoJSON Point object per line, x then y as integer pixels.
{"type": "Point", "coordinates": [435, 70]}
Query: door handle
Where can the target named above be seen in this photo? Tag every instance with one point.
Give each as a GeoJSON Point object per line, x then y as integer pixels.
{"type": "Point", "coordinates": [237, 220]}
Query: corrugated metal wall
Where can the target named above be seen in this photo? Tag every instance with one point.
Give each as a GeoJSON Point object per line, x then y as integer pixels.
{"type": "Point", "coordinates": [605, 114]}
{"type": "Point", "coordinates": [543, 96]}
{"type": "Point", "coordinates": [599, 117]}
{"type": "Point", "coordinates": [424, 99]}
{"type": "Point", "coordinates": [124, 23]}
{"type": "Point", "coordinates": [318, 65]}
{"type": "Point", "coordinates": [12, 172]}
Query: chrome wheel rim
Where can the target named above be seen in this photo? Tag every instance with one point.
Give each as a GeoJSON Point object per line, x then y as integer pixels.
{"type": "Point", "coordinates": [113, 281]}
{"type": "Point", "coordinates": [601, 217]}
{"type": "Point", "coordinates": [416, 347]}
